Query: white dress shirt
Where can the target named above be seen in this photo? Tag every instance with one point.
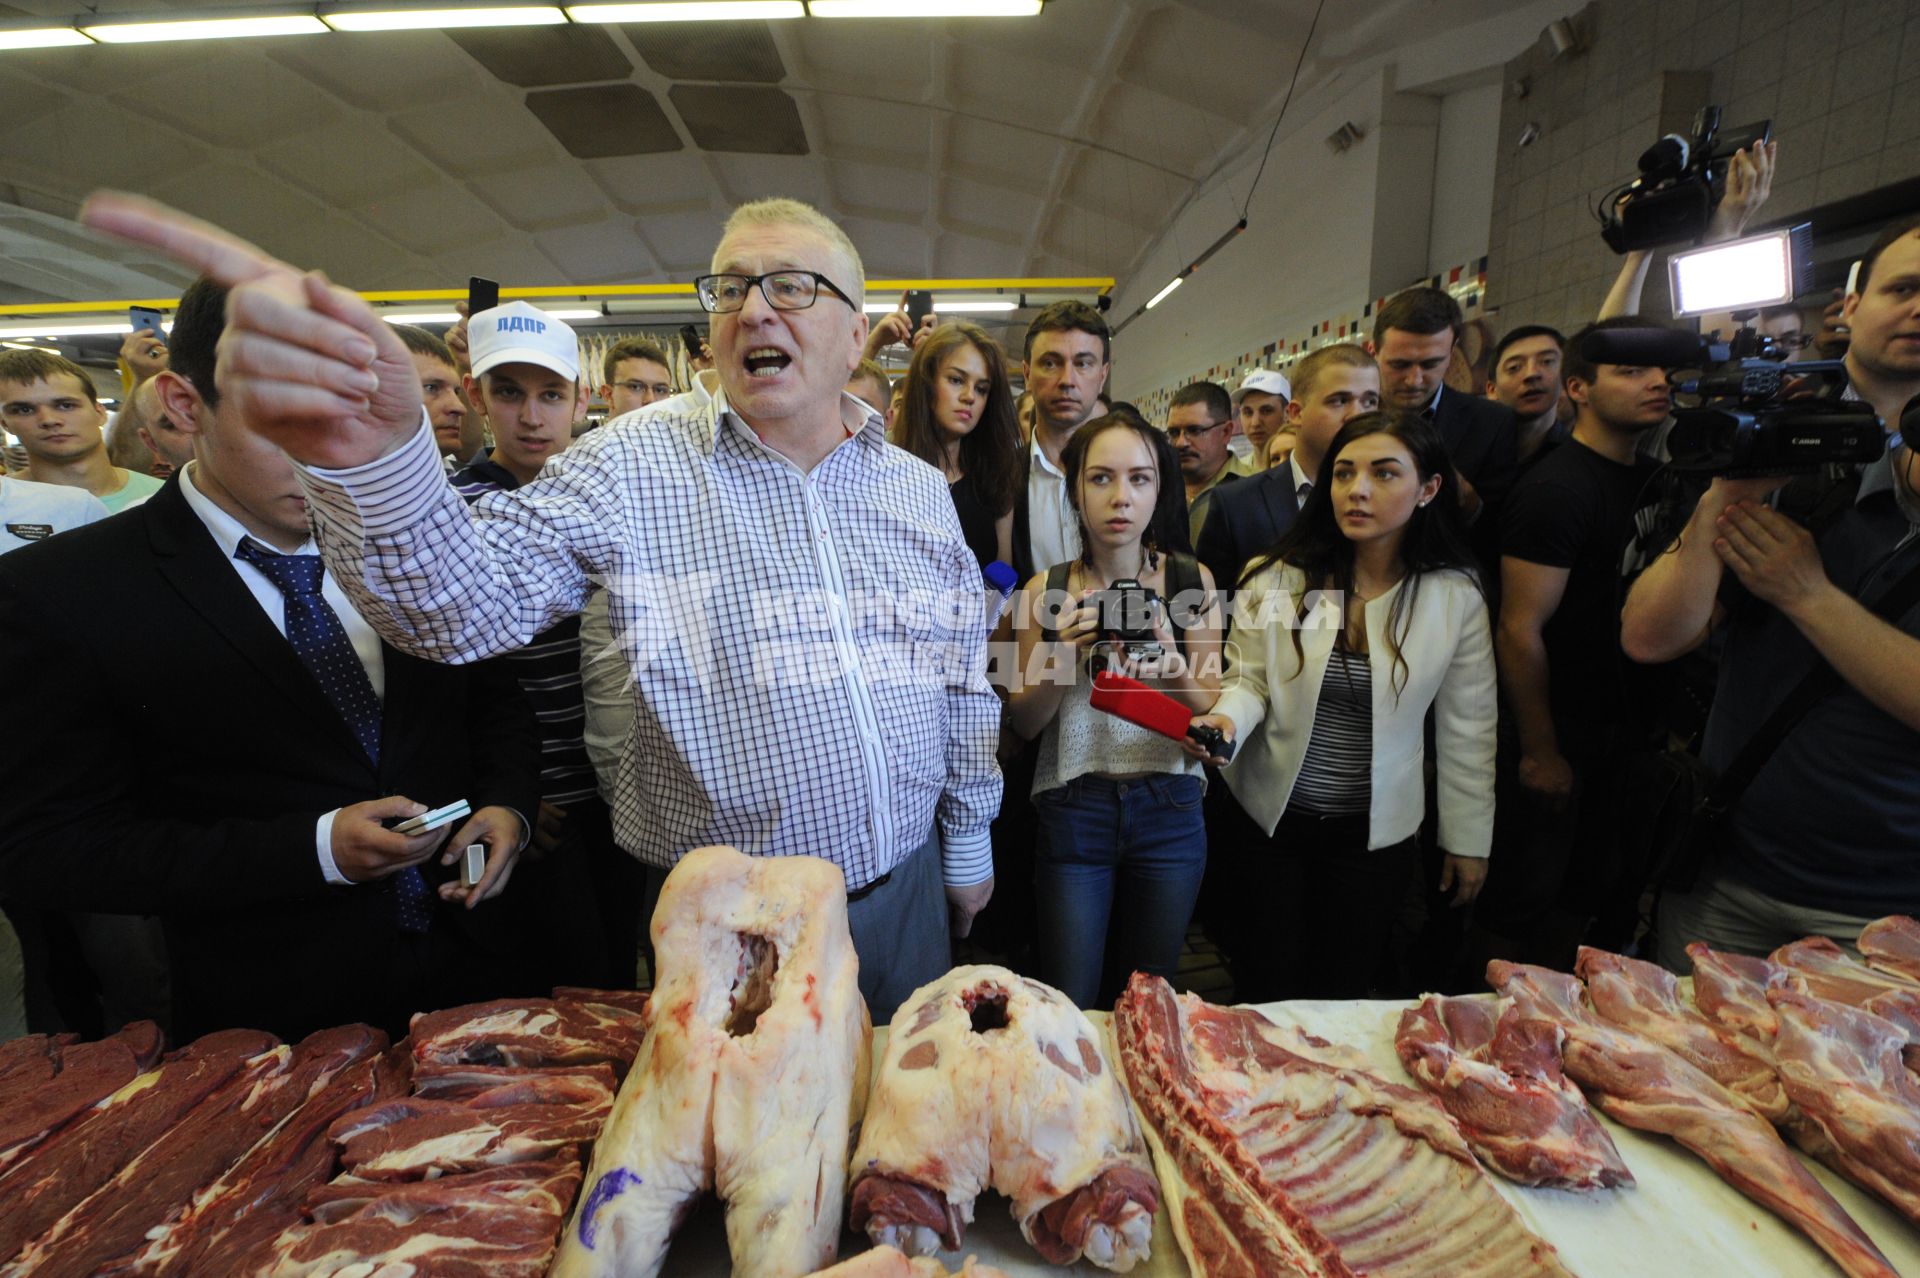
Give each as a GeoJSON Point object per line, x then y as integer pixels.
{"type": "Point", "coordinates": [808, 648]}
{"type": "Point", "coordinates": [1053, 529]}
{"type": "Point", "coordinates": [227, 534]}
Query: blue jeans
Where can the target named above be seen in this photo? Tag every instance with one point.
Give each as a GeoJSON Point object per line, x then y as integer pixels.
{"type": "Point", "coordinates": [1136, 848]}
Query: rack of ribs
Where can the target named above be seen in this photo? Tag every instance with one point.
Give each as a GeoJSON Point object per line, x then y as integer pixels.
{"type": "Point", "coordinates": [995, 1081]}
{"type": "Point", "coordinates": [1278, 1157]}
{"type": "Point", "coordinates": [750, 1079]}
{"type": "Point", "coordinates": [1636, 1081]}
{"type": "Point", "coordinates": [1500, 1078]}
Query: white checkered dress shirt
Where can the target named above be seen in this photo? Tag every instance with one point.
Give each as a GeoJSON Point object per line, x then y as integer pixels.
{"type": "Point", "coordinates": [808, 650]}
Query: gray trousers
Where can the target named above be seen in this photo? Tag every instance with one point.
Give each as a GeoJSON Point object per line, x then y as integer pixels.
{"type": "Point", "coordinates": [900, 931]}
{"type": "Point", "coordinates": [1728, 915]}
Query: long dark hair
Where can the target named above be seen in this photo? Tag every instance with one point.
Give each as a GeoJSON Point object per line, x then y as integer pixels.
{"type": "Point", "coordinates": [990, 452]}
{"type": "Point", "coordinates": [1434, 539]}
{"type": "Point", "coordinates": [1167, 528]}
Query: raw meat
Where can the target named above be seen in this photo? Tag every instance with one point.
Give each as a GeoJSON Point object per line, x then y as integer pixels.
{"type": "Point", "coordinates": [1279, 1162]}
{"type": "Point", "coordinates": [460, 1082]}
{"type": "Point", "coordinates": [47, 1084]}
{"type": "Point", "coordinates": [1821, 968]}
{"type": "Point", "coordinates": [98, 1236]}
{"type": "Point", "coordinates": [57, 1174]}
{"type": "Point", "coordinates": [1500, 1079]}
{"type": "Point", "coordinates": [1732, 990]}
{"type": "Point", "coordinates": [1892, 945]}
{"type": "Point", "coordinates": [1637, 1082]}
{"type": "Point", "coordinates": [753, 1074]}
{"type": "Point", "coordinates": [526, 1121]}
{"type": "Point", "coordinates": [498, 1223]}
{"type": "Point", "coordinates": [994, 1081]}
{"type": "Point", "coordinates": [1842, 1067]}
{"type": "Point", "coordinates": [527, 1032]}
{"type": "Point", "coordinates": [1645, 998]}
{"type": "Point", "coordinates": [231, 1225]}
{"type": "Point", "coordinates": [634, 1001]}
{"type": "Point", "coordinates": [890, 1262]}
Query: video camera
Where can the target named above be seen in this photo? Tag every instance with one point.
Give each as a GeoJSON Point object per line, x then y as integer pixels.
{"type": "Point", "coordinates": [1681, 182]}
{"type": "Point", "coordinates": [1756, 415]}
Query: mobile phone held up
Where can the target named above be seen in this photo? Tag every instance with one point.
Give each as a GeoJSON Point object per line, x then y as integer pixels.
{"type": "Point", "coordinates": [691, 339]}
{"type": "Point", "coordinates": [482, 294]}
{"type": "Point", "coordinates": [144, 319]}
{"type": "Point", "coordinates": [919, 306]}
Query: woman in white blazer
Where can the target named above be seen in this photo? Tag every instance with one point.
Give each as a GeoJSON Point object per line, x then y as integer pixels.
{"type": "Point", "coordinates": [1367, 614]}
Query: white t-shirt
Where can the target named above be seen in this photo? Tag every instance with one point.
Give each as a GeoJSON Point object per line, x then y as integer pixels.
{"type": "Point", "coordinates": [31, 512]}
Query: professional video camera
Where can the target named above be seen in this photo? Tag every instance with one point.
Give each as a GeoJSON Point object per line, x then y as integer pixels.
{"type": "Point", "coordinates": [1756, 414]}
{"type": "Point", "coordinates": [1681, 182]}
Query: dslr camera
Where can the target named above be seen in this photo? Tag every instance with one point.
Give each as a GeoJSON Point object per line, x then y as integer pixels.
{"type": "Point", "coordinates": [1128, 612]}
{"type": "Point", "coordinates": [1681, 182]}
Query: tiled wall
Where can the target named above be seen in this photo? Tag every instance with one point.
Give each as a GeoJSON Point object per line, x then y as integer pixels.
{"type": "Point", "coordinates": [1839, 78]}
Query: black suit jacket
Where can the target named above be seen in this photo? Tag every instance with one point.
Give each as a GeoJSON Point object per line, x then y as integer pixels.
{"type": "Point", "coordinates": [1244, 519]}
{"type": "Point", "coordinates": [1482, 437]}
{"type": "Point", "coordinates": [172, 756]}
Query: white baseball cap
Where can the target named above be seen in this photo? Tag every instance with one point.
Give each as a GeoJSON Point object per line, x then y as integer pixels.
{"type": "Point", "coordinates": [1267, 381]}
{"type": "Point", "coordinates": [517, 333]}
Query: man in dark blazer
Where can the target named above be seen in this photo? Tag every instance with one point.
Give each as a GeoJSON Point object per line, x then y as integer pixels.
{"type": "Point", "coordinates": [238, 800]}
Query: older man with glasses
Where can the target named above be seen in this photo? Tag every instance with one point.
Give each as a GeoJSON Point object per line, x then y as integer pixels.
{"type": "Point", "coordinates": [1200, 427]}
{"type": "Point", "coordinates": [804, 621]}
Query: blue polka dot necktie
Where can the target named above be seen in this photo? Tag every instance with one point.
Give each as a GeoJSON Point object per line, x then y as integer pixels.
{"type": "Point", "coordinates": [321, 643]}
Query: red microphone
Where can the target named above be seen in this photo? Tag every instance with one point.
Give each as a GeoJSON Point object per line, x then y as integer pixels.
{"type": "Point", "coordinates": [1156, 712]}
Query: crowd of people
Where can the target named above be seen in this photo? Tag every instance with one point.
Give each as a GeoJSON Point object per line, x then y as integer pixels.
{"type": "Point", "coordinates": [1439, 642]}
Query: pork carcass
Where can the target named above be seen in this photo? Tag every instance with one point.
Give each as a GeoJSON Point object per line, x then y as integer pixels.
{"type": "Point", "coordinates": [752, 1075]}
{"type": "Point", "coordinates": [1843, 1068]}
{"type": "Point", "coordinates": [1892, 945]}
{"type": "Point", "coordinates": [891, 1262]}
{"type": "Point", "coordinates": [994, 1081]}
{"type": "Point", "coordinates": [1636, 1081]}
{"type": "Point", "coordinates": [1645, 998]}
{"type": "Point", "coordinates": [496, 1223]}
{"type": "Point", "coordinates": [1499, 1077]}
{"type": "Point", "coordinates": [1276, 1159]}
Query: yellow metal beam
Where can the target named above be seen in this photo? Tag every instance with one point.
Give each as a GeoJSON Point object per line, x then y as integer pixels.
{"type": "Point", "coordinates": [590, 292]}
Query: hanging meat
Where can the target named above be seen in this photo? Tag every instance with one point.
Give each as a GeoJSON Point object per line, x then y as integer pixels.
{"type": "Point", "coordinates": [1637, 1082]}
{"type": "Point", "coordinates": [994, 1081]}
{"type": "Point", "coordinates": [752, 1074]}
{"type": "Point", "coordinates": [1278, 1159]}
{"type": "Point", "coordinates": [1499, 1076]}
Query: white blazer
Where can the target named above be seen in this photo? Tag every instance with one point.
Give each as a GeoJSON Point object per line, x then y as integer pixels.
{"type": "Point", "coordinates": [1448, 647]}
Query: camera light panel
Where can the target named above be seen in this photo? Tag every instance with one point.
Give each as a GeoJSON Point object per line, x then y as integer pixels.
{"type": "Point", "coordinates": [1740, 275]}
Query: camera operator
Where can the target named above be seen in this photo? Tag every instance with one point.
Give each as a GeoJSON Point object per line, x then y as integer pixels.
{"type": "Point", "coordinates": [1821, 839]}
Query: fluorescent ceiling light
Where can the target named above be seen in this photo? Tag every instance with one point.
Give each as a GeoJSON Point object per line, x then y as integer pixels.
{"type": "Point", "coordinates": [64, 330]}
{"type": "Point", "coordinates": [207, 29]}
{"type": "Point", "coordinates": [453, 317]}
{"type": "Point", "coordinates": [441, 19]}
{"type": "Point", "coordinates": [23, 346]}
{"type": "Point", "coordinates": [945, 308]}
{"type": "Point", "coordinates": [925, 8]}
{"type": "Point", "coordinates": [687, 11]}
{"type": "Point", "coordinates": [1161, 296]}
{"type": "Point", "coordinates": [42, 38]}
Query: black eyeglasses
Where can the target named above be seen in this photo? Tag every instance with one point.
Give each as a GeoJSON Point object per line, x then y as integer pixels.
{"type": "Point", "coordinates": [784, 290]}
{"type": "Point", "coordinates": [1177, 433]}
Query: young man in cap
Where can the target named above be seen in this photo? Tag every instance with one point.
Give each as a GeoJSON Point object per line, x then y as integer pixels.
{"type": "Point", "coordinates": [1261, 405]}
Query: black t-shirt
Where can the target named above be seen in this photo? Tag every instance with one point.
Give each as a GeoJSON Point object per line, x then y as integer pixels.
{"type": "Point", "coordinates": [1577, 510]}
{"type": "Point", "coordinates": [976, 521]}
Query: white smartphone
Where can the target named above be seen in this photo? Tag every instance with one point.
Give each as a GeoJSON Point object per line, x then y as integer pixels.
{"type": "Point", "coordinates": [435, 819]}
{"type": "Point", "coordinates": [1853, 278]}
{"type": "Point", "coordinates": [473, 864]}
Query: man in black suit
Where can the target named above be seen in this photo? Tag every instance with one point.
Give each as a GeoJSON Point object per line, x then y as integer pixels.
{"type": "Point", "coordinates": [1331, 386]}
{"type": "Point", "coordinates": [243, 801]}
{"type": "Point", "coordinates": [1413, 338]}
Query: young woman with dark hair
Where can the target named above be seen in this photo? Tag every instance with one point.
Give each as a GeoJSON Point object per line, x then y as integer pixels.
{"type": "Point", "coordinates": [957, 413]}
{"type": "Point", "coordinates": [1365, 615]}
{"type": "Point", "coordinates": [1122, 841]}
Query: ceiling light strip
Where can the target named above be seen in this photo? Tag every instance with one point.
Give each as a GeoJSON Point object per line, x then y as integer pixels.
{"type": "Point", "coordinates": [42, 38]}
{"type": "Point", "coordinates": [923, 8]}
{"type": "Point", "coordinates": [443, 19]}
{"type": "Point", "coordinates": [688, 11]}
{"type": "Point", "coordinates": [206, 29]}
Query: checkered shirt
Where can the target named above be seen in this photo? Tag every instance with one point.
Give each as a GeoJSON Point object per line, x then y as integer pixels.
{"type": "Point", "coordinates": [808, 650]}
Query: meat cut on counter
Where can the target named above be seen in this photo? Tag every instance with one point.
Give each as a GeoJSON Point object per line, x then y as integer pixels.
{"type": "Point", "coordinates": [1499, 1076]}
{"type": "Point", "coordinates": [891, 1262]}
{"type": "Point", "coordinates": [749, 1081]}
{"type": "Point", "coordinates": [1277, 1155]}
{"type": "Point", "coordinates": [1892, 945]}
{"type": "Point", "coordinates": [995, 1081]}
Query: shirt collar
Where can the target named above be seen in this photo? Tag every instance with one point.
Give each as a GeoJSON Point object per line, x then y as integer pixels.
{"type": "Point", "coordinates": [1300, 478]}
{"type": "Point", "coordinates": [227, 531]}
{"type": "Point", "coordinates": [1039, 454]}
{"type": "Point", "coordinates": [1433, 405]}
{"type": "Point", "coordinates": [858, 419]}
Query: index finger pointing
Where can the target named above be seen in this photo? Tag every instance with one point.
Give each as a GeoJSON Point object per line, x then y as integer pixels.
{"type": "Point", "coordinates": [225, 258]}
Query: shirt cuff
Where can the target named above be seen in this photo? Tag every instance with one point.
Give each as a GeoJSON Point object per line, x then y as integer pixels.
{"type": "Point", "coordinates": [386, 495]}
{"type": "Point", "coordinates": [966, 859]}
{"type": "Point", "coordinates": [323, 849]}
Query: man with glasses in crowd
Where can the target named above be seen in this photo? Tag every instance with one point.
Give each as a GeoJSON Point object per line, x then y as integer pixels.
{"type": "Point", "coordinates": [637, 375]}
{"type": "Point", "coordinates": [1200, 428]}
{"type": "Point", "coordinates": [737, 539]}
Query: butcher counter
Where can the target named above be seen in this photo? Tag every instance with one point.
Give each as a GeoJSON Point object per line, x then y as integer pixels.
{"type": "Point", "coordinates": [1680, 1220]}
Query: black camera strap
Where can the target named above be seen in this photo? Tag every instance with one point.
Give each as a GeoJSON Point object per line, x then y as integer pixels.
{"type": "Point", "coordinates": [1819, 682]}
